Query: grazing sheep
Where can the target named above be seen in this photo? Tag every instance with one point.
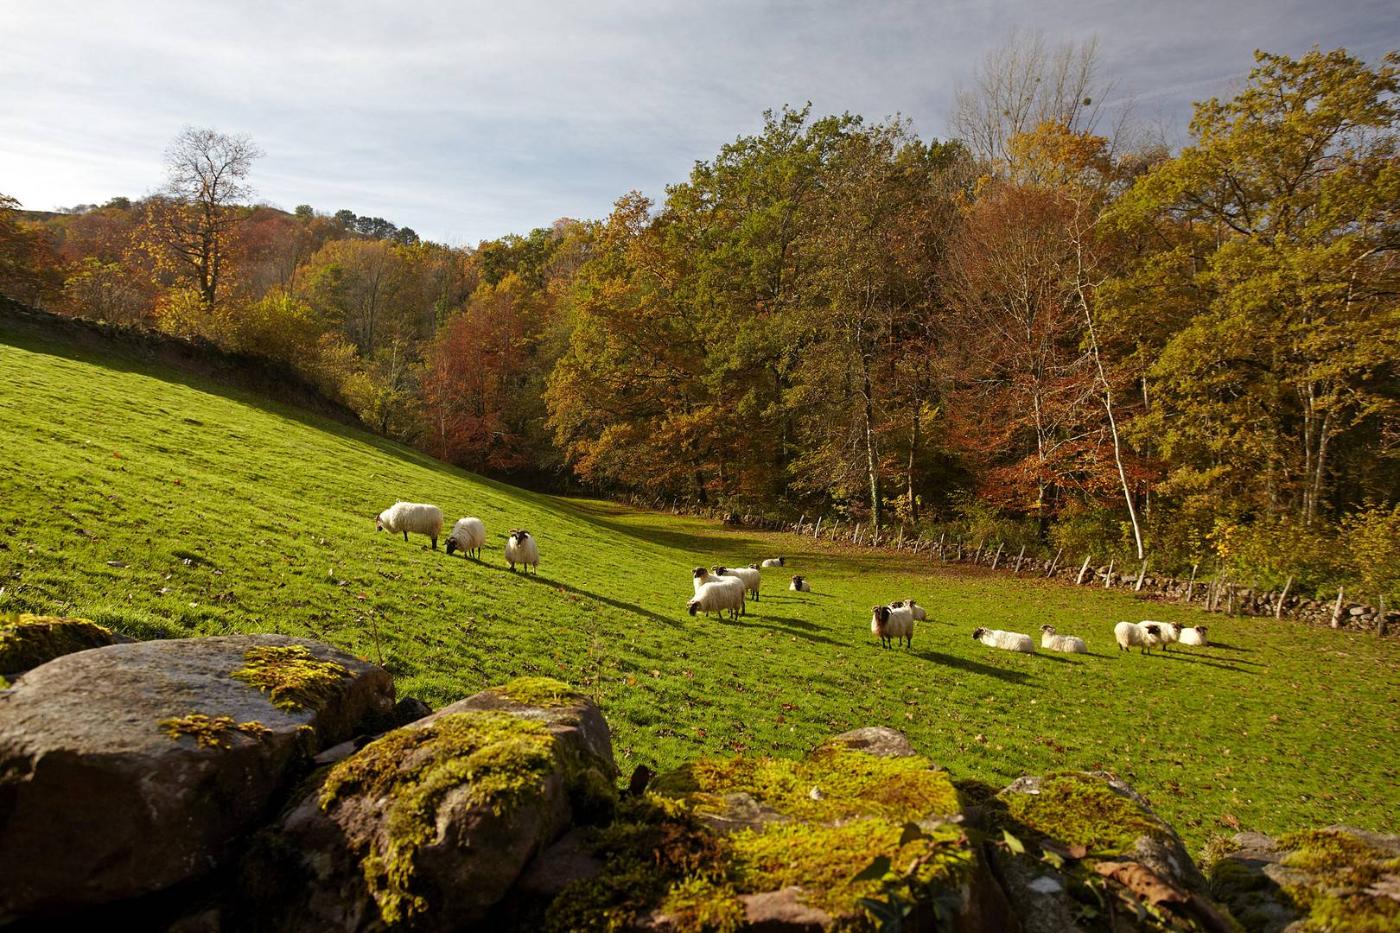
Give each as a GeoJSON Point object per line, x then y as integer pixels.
{"type": "Point", "coordinates": [800, 584]}
{"type": "Point", "coordinates": [1147, 635]}
{"type": "Point", "coordinates": [751, 577]}
{"type": "Point", "coordinates": [892, 622]}
{"type": "Point", "coordinates": [1006, 641]}
{"type": "Point", "coordinates": [774, 562]}
{"type": "Point", "coordinates": [1066, 643]}
{"type": "Point", "coordinates": [521, 549]}
{"type": "Point", "coordinates": [468, 536]}
{"type": "Point", "coordinates": [703, 578]}
{"type": "Point", "coordinates": [1194, 636]}
{"type": "Point", "coordinates": [719, 596]}
{"type": "Point", "coordinates": [1169, 630]}
{"type": "Point", "coordinates": [417, 517]}
{"type": "Point", "coordinates": [918, 611]}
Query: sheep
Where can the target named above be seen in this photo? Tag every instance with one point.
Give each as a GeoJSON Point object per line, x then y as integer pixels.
{"type": "Point", "coordinates": [468, 536]}
{"type": "Point", "coordinates": [521, 549]}
{"type": "Point", "coordinates": [718, 596]}
{"type": "Point", "coordinates": [1194, 636]}
{"type": "Point", "coordinates": [774, 562]}
{"type": "Point", "coordinates": [918, 611]}
{"type": "Point", "coordinates": [1066, 643]}
{"type": "Point", "coordinates": [1147, 635]}
{"type": "Point", "coordinates": [703, 578]}
{"type": "Point", "coordinates": [751, 577]}
{"type": "Point", "coordinates": [892, 622]}
{"type": "Point", "coordinates": [1006, 641]}
{"type": "Point", "coordinates": [1169, 631]}
{"type": "Point", "coordinates": [417, 517]}
{"type": "Point", "coordinates": [800, 584]}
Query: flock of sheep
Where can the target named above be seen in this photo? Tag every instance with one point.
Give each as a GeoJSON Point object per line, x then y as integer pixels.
{"type": "Point", "coordinates": [725, 590]}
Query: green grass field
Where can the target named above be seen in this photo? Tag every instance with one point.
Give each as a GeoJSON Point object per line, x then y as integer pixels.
{"type": "Point", "coordinates": [168, 507]}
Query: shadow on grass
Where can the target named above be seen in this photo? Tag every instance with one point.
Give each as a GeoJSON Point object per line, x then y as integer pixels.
{"type": "Point", "coordinates": [1224, 647]}
{"type": "Point", "coordinates": [1208, 663]}
{"type": "Point", "coordinates": [798, 633]}
{"type": "Point", "coordinates": [974, 667]}
{"type": "Point", "coordinates": [588, 594]}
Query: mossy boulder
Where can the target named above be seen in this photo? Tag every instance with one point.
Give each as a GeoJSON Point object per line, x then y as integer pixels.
{"type": "Point", "coordinates": [130, 768]}
{"type": "Point", "coordinates": [1083, 851]}
{"type": "Point", "coordinates": [27, 641]}
{"type": "Point", "coordinates": [1337, 878]}
{"type": "Point", "coordinates": [429, 826]}
{"type": "Point", "coordinates": [838, 839]}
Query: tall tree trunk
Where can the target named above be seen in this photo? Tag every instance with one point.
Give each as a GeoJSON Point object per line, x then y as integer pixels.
{"type": "Point", "coordinates": [909, 475]}
{"type": "Point", "coordinates": [872, 459]}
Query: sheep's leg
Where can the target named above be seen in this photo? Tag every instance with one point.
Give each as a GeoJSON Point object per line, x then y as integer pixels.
{"type": "Point", "coordinates": [434, 540]}
{"type": "Point", "coordinates": [405, 536]}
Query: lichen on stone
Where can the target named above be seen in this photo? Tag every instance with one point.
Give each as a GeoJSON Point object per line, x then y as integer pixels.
{"type": "Point", "coordinates": [1343, 870]}
{"type": "Point", "coordinates": [1074, 808]}
{"type": "Point", "coordinates": [211, 731]}
{"type": "Point", "coordinates": [544, 692]}
{"type": "Point", "coordinates": [502, 761]}
{"type": "Point", "coordinates": [700, 903]}
{"type": "Point", "coordinates": [27, 641]}
{"type": "Point", "coordinates": [291, 676]}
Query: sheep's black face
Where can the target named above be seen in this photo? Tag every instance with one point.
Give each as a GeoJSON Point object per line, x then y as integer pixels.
{"type": "Point", "coordinates": [451, 546]}
{"type": "Point", "coordinates": [1201, 629]}
{"type": "Point", "coordinates": [1154, 631]}
{"type": "Point", "coordinates": [882, 614]}
{"type": "Point", "coordinates": [1048, 629]}
{"type": "Point", "coordinates": [691, 608]}
{"type": "Point", "coordinates": [700, 571]}
{"type": "Point", "coordinates": [977, 633]}
{"type": "Point", "coordinates": [721, 571]}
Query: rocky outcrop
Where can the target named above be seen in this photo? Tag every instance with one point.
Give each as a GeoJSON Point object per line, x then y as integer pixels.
{"type": "Point", "coordinates": [430, 825]}
{"type": "Point", "coordinates": [1325, 879]}
{"type": "Point", "coordinates": [130, 768]}
{"type": "Point", "coordinates": [27, 641]}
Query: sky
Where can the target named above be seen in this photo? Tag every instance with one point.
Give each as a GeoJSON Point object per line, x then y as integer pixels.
{"type": "Point", "coordinates": [467, 121]}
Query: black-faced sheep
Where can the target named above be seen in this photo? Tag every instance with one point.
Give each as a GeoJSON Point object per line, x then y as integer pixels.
{"type": "Point", "coordinates": [892, 623]}
{"type": "Point", "coordinates": [1006, 641]}
{"type": "Point", "coordinates": [521, 549]}
{"type": "Point", "coordinates": [417, 517]}
{"type": "Point", "coordinates": [468, 536]}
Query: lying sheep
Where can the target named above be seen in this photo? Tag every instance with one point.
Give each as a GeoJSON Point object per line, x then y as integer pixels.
{"type": "Point", "coordinates": [703, 578]}
{"type": "Point", "coordinates": [1146, 635]}
{"type": "Point", "coordinates": [1006, 641]}
{"type": "Point", "coordinates": [919, 613]}
{"type": "Point", "coordinates": [468, 536]}
{"type": "Point", "coordinates": [1168, 631]}
{"type": "Point", "coordinates": [1193, 636]}
{"type": "Point", "coordinates": [892, 622]}
{"type": "Point", "coordinates": [718, 596]}
{"type": "Point", "coordinates": [800, 584]}
{"type": "Point", "coordinates": [1069, 644]}
{"type": "Point", "coordinates": [774, 562]}
{"type": "Point", "coordinates": [751, 577]}
{"type": "Point", "coordinates": [417, 517]}
{"type": "Point", "coordinates": [521, 549]}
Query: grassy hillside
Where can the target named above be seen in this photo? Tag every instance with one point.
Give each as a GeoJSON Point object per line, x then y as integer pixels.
{"type": "Point", "coordinates": [168, 507]}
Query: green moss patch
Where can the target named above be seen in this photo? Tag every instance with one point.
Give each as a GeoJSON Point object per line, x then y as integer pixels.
{"type": "Point", "coordinates": [544, 692]}
{"type": "Point", "coordinates": [27, 641]}
{"type": "Point", "coordinates": [212, 731]}
{"type": "Point", "coordinates": [1343, 867]}
{"type": "Point", "coordinates": [502, 760]}
{"type": "Point", "coordinates": [1078, 809]}
{"type": "Point", "coordinates": [832, 784]}
{"type": "Point", "coordinates": [292, 676]}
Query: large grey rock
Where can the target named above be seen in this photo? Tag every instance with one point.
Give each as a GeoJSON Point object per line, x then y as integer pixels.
{"type": "Point", "coordinates": [99, 802]}
{"type": "Point", "coordinates": [430, 825]}
{"type": "Point", "coordinates": [880, 741]}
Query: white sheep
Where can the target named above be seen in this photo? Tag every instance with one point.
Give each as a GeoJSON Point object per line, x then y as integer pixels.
{"type": "Point", "coordinates": [774, 562]}
{"type": "Point", "coordinates": [703, 578]}
{"type": "Point", "coordinates": [417, 517]}
{"type": "Point", "coordinates": [521, 549]}
{"type": "Point", "coordinates": [1146, 635]}
{"type": "Point", "coordinates": [1169, 631]}
{"type": "Point", "coordinates": [468, 536]}
{"type": "Point", "coordinates": [718, 596]}
{"type": "Point", "coordinates": [1069, 644]}
{"type": "Point", "coordinates": [751, 577]}
{"type": "Point", "coordinates": [892, 622]}
{"type": "Point", "coordinates": [799, 583]}
{"type": "Point", "coordinates": [918, 611]}
{"type": "Point", "coordinates": [1006, 641]}
{"type": "Point", "coordinates": [1194, 636]}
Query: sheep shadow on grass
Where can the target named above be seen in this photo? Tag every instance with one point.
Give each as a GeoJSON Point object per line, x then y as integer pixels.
{"type": "Point", "coordinates": [1192, 659]}
{"type": "Point", "coordinates": [795, 633]}
{"type": "Point", "coordinates": [588, 594]}
{"type": "Point", "coordinates": [974, 667]}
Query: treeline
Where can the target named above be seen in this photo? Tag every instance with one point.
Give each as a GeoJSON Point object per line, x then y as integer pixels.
{"type": "Point", "coordinates": [1042, 329]}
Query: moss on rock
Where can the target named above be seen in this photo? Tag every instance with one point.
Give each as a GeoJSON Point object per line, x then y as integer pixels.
{"type": "Point", "coordinates": [291, 676]}
{"type": "Point", "coordinates": [1343, 872]}
{"type": "Point", "coordinates": [544, 692]}
{"type": "Point", "coordinates": [1079, 809]}
{"type": "Point", "coordinates": [27, 641]}
{"type": "Point", "coordinates": [500, 761]}
{"type": "Point", "coordinates": [211, 731]}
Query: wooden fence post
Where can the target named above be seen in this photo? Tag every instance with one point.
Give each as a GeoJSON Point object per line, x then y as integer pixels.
{"type": "Point", "coordinates": [1191, 585]}
{"type": "Point", "coordinates": [959, 557]}
{"type": "Point", "coordinates": [1142, 572]}
{"type": "Point", "coordinates": [996, 560]}
{"type": "Point", "coordinates": [1108, 575]}
{"type": "Point", "coordinates": [1337, 610]}
{"type": "Point", "coordinates": [1380, 616]}
{"type": "Point", "coordinates": [817, 532]}
{"type": "Point", "coordinates": [1018, 559]}
{"type": "Point", "coordinates": [1054, 564]}
{"type": "Point", "coordinates": [1083, 570]}
{"type": "Point", "coordinates": [941, 536]}
{"type": "Point", "coordinates": [1278, 603]}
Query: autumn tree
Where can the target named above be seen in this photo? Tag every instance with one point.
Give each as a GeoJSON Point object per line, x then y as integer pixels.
{"type": "Point", "coordinates": [27, 264]}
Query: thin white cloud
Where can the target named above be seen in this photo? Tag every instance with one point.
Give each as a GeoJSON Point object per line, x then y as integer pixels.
{"type": "Point", "coordinates": [467, 121]}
